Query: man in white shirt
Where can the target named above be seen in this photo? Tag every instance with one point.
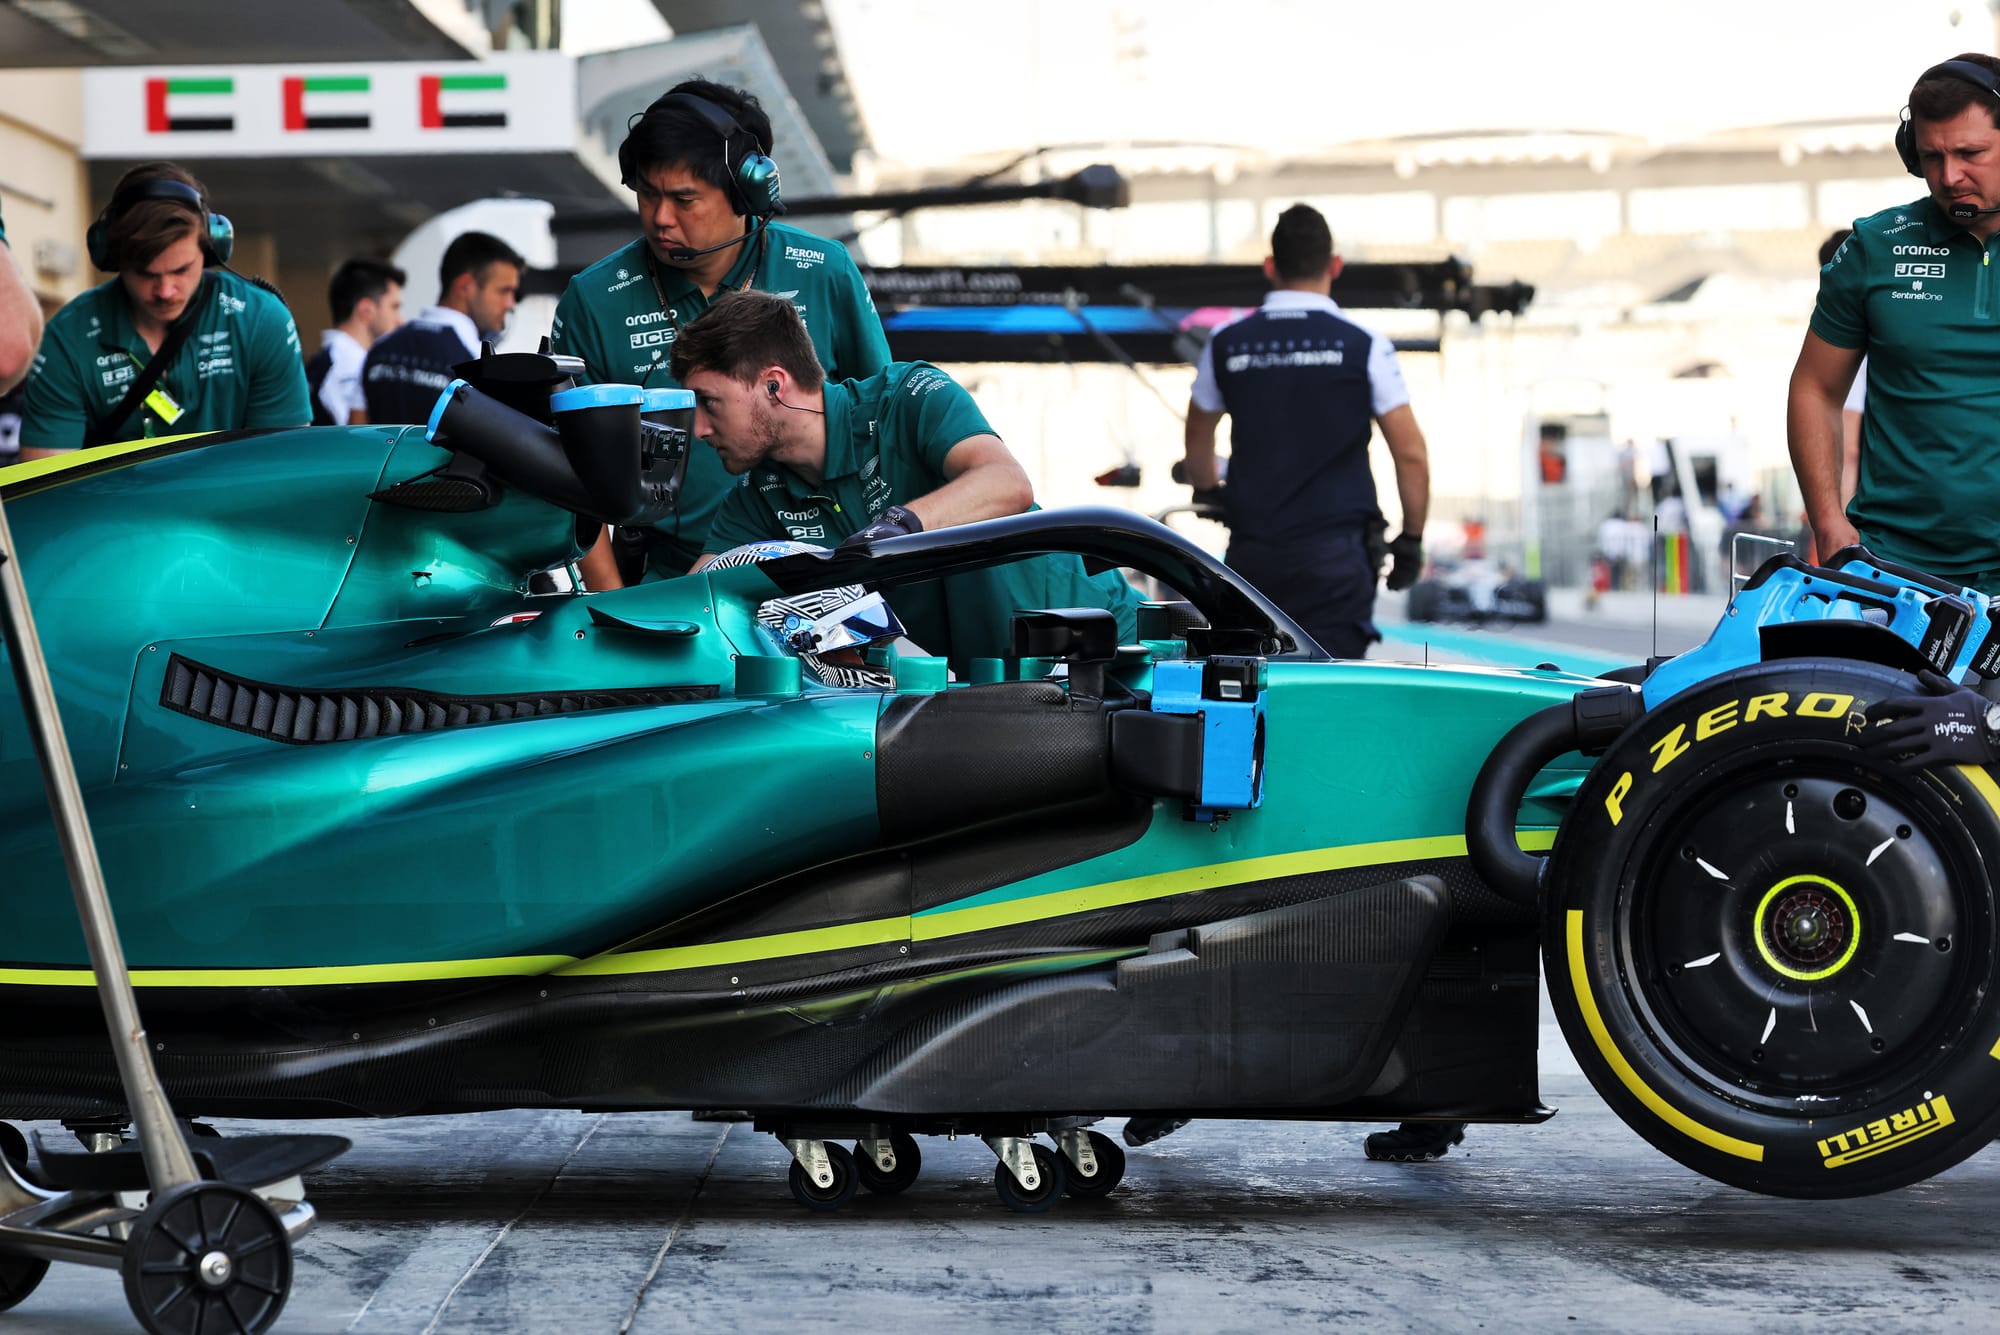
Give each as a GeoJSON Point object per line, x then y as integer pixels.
{"type": "Point", "coordinates": [367, 301]}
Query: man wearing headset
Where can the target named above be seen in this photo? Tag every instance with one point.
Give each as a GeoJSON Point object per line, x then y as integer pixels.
{"type": "Point", "coordinates": [707, 190]}
{"type": "Point", "coordinates": [220, 352]}
{"type": "Point", "coordinates": [839, 463]}
{"type": "Point", "coordinates": [1916, 290]}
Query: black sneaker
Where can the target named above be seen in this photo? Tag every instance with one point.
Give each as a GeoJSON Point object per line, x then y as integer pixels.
{"type": "Point", "coordinates": [1146, 1130]}
{"type": "Point", "coordinates": [1414, 1142]}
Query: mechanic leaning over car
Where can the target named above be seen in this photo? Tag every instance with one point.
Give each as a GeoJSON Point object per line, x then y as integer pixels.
{"type": "Point", "coordinates": [857, 461]}
{"type": "Point", "coordinates": [177, 343]}
{"type": "Point", "coordinates": [698, 159]}
{"type": "Point", "coordinates": [479, 280]}
{"type": "Point", "coordinates": [1916, 291]}
{"type": "Point", "coordinates": [1304, 387]}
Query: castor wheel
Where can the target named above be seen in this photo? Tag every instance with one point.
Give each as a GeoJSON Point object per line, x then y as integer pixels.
{"type": "Point", "coordinates": [1048, 1167]}
{"type": "Point", "coordinates": [18, 1277]}
{"type": "Point", "coordinates": [1110, 1169]}
{"type": "Point", "coordinates": [833, 1195]}
{"type": "Point", "coordinates": [909, 1163]}
{"type": "Point", "coordinates": [207, 1256]}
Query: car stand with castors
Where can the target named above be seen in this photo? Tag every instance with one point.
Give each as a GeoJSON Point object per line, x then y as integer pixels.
{"type": "Point", "coordinates": [1029, 1178]}
{"type": "Point", "coordinates": [203, 1239]}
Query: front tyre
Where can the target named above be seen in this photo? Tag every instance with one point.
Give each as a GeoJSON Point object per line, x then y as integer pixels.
{"type": "Point", "coordinates": [1773, 958]}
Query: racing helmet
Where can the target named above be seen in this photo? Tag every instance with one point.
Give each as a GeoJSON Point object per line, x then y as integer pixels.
{"type": "Point", "coordinates": [829, 629]}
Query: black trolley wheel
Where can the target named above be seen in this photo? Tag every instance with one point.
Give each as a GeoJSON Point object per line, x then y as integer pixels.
{"type": "Point", "coordinates": [815, 1197]}
{"type": "Point", "coordinates": [1017, 1198]}
{"type": "Point", "coordinates": [909, 1163]}
{"type": "Point", "coordinates": [207, 1256]}
{"type": "Point", "coordinates": [1110, 1169]}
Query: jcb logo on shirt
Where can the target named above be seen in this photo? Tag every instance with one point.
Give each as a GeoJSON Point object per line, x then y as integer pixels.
{"type": "Point", "coordinates": [1920, 271]}
{"type": "Point", "coordinates": [653, 338]}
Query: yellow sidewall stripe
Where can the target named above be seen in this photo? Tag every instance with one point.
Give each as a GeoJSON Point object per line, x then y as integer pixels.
{"type": "Point", "coordinates": [1579, 981]}
{"type": "Point", "coordinates": [782, 945]}
{"type": "Point", "coordinates": [62, 463]}
{"type": "Point", "coordinates": [1981, 780]}
{"type": "Point", "coordinates": [423, 971]}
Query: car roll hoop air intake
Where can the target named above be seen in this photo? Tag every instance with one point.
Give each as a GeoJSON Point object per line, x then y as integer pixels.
{"type": "Point", "coordinates": [613, 453]}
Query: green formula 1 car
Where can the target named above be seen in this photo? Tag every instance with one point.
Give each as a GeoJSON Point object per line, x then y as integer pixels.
{"type": "Point", "coordinates": [397, 821]}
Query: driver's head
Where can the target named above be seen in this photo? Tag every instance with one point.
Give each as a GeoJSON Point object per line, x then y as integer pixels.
{"type": "Point", "coordinates": [155, 238]}
{"type": "Point", "coordinates": [744, 360]}
{"type": "Point", "coordinates": [480, 275]}
{"type": "Point", "coordinates": [1955, 128]}
{"type": "Point", "coordinates": [679, 165]}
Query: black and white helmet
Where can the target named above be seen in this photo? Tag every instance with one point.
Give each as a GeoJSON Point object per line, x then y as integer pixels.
{"type": "Point", "coordinates": [830, 629]}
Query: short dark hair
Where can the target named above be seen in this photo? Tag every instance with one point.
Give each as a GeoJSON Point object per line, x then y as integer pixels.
{"type": "Point", "coordinates": [1939, 97]}
{"type": "Point", "coordinates": [140, 230]}
{"type": "Point", "coordinates": [357, 281]}
{"type": "Point", "coordinates": [471, 252]}
{"type": "Point", "coordinates": [742, 334]}
{"type": "Point", "coordinates": [1301, 244]}
{"type": "Point", "coordinates": [670, 134]}
{"type": "Point", "coordinates": [1831, 246]}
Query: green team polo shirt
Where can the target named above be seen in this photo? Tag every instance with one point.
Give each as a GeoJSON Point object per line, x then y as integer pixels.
{"type": "Point", "coordinates": [886, 440]}
{"type": "Point", "coordinates": [1921, 296]}
{"type": "Point", "coordinates": [240, 367]}
{"type": "Point", "coordinates": [612, 316]}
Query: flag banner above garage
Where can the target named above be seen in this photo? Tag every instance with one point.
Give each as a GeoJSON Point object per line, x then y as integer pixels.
{"type": "Point", "coordinates": [522, 102]}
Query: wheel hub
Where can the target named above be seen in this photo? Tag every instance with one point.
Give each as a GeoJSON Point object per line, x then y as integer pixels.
{"type": "Point", "coordinates": [1797, 939]}
{"type": "Point", "coordinates": [216, 1269]}
{"type": "Point", "coordinates": [1807, 928]}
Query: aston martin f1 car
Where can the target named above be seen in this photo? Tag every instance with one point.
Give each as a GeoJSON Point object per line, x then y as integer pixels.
{"type": "Point", "coordinates": [398, 820]}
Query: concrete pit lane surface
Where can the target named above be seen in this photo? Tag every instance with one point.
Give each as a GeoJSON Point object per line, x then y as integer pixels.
{"type": "Point", "coordinates": [575, 1224]}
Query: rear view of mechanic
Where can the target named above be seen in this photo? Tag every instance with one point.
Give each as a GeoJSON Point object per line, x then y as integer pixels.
{"type": "Point", "coordinates": [1912, 291]}
{"type": "Point", "coordinates": [841, 463]}
{"type": "Point", "coordinates": [479, 280]}
{"type": "Point", "coordinates": [698, 160]}
{"type": "Point", "coordinates": [175, 344]}
{"type": "Point", "coordinates": [1304, 387]}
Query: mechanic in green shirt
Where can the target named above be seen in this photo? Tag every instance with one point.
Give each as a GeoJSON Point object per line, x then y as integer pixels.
{"type": "Point", "coordinates": [238, 362]}
{"type": "Point", "coordinates": [697, 159]}
{"type": "Point", "coordinates": [837, 462]}
{"type": "Point", "coordinates": [1916, 290]}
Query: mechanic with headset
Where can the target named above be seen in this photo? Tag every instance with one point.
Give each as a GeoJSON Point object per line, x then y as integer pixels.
{"type": "Point", "coordinates": [177, 343]}
{"type": "Point", "coordinates": [842, 463]}
{"type": "Point", "coordinates": [1916, 291]}
{"type": "Point", "coordinates": [698, 159]}
{"type": "Point", "coordinates": [1305, 387]}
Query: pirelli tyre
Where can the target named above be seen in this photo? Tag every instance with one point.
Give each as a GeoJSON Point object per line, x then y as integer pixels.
{"type": "Point", "coordinates": [1773, 957]}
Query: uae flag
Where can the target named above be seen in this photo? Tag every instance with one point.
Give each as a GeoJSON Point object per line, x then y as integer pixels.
{"type": "Point", "coordinates": [326, 102]}
{"type": "Point", "coordinates": [458, 101]}
{"type": "Point", "coordinates": [182, 105]}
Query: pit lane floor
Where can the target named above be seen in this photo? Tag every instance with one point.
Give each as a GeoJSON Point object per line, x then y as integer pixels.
{"type": "Point", "coordinates": [579, 1224]}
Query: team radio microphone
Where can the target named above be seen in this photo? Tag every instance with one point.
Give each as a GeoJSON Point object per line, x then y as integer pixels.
{"type": "Point", "coordinates": [1966, 212]}
{"type": "Point", "coordinates": [681, 254]}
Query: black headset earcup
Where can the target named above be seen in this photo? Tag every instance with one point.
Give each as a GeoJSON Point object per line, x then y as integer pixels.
{"type": "Point", "coordinates": [97, 243]}
{"type": "Point", "coordinates": [1906, 145]}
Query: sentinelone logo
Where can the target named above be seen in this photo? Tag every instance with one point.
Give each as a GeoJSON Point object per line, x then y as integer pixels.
{"type": "Point", "coordinates": [182, 106]}
{"type": "Point", "coordinates": [460, 101]}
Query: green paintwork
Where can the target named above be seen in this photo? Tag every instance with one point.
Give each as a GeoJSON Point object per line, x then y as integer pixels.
{"type": "Point", "coordinates": [556, 838]}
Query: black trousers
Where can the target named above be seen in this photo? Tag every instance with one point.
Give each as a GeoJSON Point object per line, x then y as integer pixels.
{"type": "Point", "coordinates": [1325, 583]}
